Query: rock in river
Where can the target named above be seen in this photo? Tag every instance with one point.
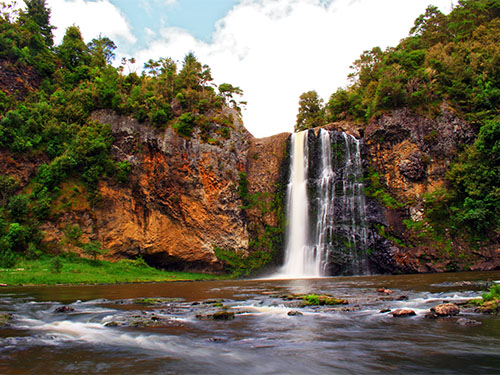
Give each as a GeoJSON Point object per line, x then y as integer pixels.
{"type": "Point", "coordinates": [400, 313]}
{"type": "Point", "coordinates": [446, 309]}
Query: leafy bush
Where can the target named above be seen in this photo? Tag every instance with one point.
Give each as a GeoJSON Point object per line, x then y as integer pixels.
{"type": "Point", "coordinates": [184, 125]}
{"type": "Point", "coordinates": [240, 264]}
{"type": "Point", "coordinates": [492, 294]}
{"type": "Point", "coordinates": [93, 249]}
{"type": "Point", "coordinates": [19, 207]}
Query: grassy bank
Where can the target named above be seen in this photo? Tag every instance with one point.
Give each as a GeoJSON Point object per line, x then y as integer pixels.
{"type": "Point", "coordinates": [58, 270]}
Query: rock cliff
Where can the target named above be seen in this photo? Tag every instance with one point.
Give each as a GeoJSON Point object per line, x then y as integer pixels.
{"type": "Point", "coordinates": [411, 154]}
{"type": "Point", "coordinates": [180, 202]}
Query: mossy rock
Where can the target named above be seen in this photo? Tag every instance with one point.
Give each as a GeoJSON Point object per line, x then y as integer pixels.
{"type": "Point", "coordinates": [490, 307]}
{"type": "Point", "coordinates": [5, 319]}
{"type": "Point", "coordinates": [322, 300]}
{"type": "Point", "coordinates": [218, 315]}
{"type": "Point", "coordinates": [155, 301]}
{"type": "Point", "coordinates": [315, 299]}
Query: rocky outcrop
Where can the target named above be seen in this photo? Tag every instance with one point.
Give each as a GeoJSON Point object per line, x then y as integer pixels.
{"type": "Point", "coordinates": [267, 162]}
{"type": "Point", "coordinates": [413, 152]}
{"type": "Point", "coordinates": [410, 154]}
{"type": "Point", "coordinates": [181, 200]}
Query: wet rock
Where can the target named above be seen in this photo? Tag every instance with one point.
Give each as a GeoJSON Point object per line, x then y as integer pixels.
{"type": "Point", "coordinates": [112, 324]}
{"type": "Point", "coordinates": [315, 299]}
{"type": "Point", "coordinates": [64, 309]}
{"type": "Point", "coordinates": [295, 313]}
{"type": "Point", "coordinates": [383, 311]}
{"type": "Point", "coordinates": [223, 315]}
{"type": "Point", "coordinates": [468, 322]}
{"type": "Point", "coordinates": [218, 315]}
{"type": "Point", "coordinates": [489, 307]}
{"type": "Point", "coordinates": [155, 301]}
{"type": "Point", "coordinates": [217, 339]}
{"type": "Point", "coordinates": [413, 168]}
{"type": "Point", "coordinates": [401, 313]}
{"type": "Point", "coordinates": [446, 309]}
{"type": "Point", "coordinates": [384, 291]}
{"type": "Point", "coordinates": [402, 298]}
{"type": "Point", "coordinates": [430, 315]}
{"type": "Point", "coordinates": [5, 319]}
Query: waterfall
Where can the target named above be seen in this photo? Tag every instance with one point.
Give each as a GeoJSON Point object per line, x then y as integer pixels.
{"type": "Point", "coordinates": [297, 259]}
{"type": "Point", "coordinates": [327, 228]}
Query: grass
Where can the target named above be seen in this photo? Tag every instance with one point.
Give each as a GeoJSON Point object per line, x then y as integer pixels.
{"type": "Point", "coordinates": [59, 270]}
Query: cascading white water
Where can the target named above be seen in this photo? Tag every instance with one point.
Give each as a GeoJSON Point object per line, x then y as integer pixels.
{"type": "Point", "coordinates": [353, 207]}
{"type": "Point", "coordinates": [325, 218]}
{"type": "Point", "coordinates": [336, 229]}
{"type": "Point", "coordinates": [296, 257]}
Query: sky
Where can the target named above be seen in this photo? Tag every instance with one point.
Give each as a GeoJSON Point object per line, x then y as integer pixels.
{"type": "Point", "coordinates": [274, 50]}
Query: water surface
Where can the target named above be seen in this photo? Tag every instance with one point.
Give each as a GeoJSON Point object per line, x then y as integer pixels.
{"type": "Point", "coordinates": [97, 336]}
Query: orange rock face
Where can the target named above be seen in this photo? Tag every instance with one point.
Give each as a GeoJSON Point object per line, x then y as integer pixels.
{"type": "Point", "coordinates": [181, 200]}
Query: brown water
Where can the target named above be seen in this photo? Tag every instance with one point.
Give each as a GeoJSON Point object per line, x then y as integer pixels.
{"type": "Point", "coordinates": [262, 339]}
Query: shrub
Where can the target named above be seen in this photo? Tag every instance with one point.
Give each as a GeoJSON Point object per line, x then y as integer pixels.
{"type": "Point", "coordinates": [94, 249]}
{"type": "Point", "coordinates": [184, 125]}
{"type": "Point", "coordinates": [19, 207]}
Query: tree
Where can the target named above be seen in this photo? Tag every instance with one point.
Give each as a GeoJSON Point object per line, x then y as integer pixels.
{"type": "Point", "coordinates": [226, 91]}
{"type": "Point", "coordinates": [38, 12]}
{"type": "Point", "coordinates": [8, 185]}
{"type": "Point", "coordinates": [102, 51]}
{"type": "Point", "coordinates": [73, 51]}
{"type": "Point", "coordinates": [189, 76]}
{"type": "Point", "coordinates": [311, 111]}
{"type": "Point", "coordinates": [94, 249]}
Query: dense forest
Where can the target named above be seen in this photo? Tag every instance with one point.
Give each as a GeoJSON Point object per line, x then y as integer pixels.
{"type": "Point", "coordinates": [48, 93]}
{"type": "Point", "coordinates": [452, 59]}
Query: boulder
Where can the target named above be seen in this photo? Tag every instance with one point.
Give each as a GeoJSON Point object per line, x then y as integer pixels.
{"type": "Point", "coordinates": [446, 309]}
{"type": "Point", "coordinates": [384, 291]}
{"type": "Point", "coordinates": [219, 315]}
{"type": "Point", "coordinates": [468, 322]}
{"type": "Point", "coordinates": [5, 319]}
{"type": "Point", "coordinates": [64, 309]}
{"type": "Point", "coordinates": [401, 313]}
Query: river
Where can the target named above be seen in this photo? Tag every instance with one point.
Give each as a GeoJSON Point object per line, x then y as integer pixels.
{"type": "Point", "coordinates": [108, 329]}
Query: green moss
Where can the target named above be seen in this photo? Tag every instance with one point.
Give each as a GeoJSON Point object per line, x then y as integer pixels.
{"type": "Point", "coordinates": [242, 264]}
{"type": "Point", "coordinates": [314, 299]}
{"type": "Point", "coordinates": [375, 189]}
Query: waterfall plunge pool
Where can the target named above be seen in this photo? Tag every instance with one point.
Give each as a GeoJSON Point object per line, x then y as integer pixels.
{"type": "Point", "coordinates": [103, 330]}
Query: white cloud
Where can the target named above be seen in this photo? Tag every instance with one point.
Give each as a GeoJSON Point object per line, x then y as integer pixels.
{"type": "Point", "coordinates": [93, 18]}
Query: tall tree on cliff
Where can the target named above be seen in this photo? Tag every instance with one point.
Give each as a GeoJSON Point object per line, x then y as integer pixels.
{"type": "Point", "coordinates": [73, 51]}
{"type": "Point", "coordinates": [311, 111]}
{"type": "Point", "coordinates": [38, 12]}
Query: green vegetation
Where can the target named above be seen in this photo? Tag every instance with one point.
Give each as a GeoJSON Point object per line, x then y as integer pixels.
{"type": "Point", "coordinates": [316, 299]}
{"type": "Point", "coordinates": [47, 118]}
{"type": "Point", "coordinates": [85, 271]}
{"type": "Point", "coordinates": [375, 189]}
{"type": "Point", "coordinates": [311, 111]}
{"type": "Point", "coordinates": [490, 301]}
{"type": "Point", "coordinates": [266, 240]}
{"type": "Point", "coordinates": [452, 58]}
{"type": "Point", "coordinates": [321, 300]}
{"type": "Point", "coordinates": [243, 264]}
